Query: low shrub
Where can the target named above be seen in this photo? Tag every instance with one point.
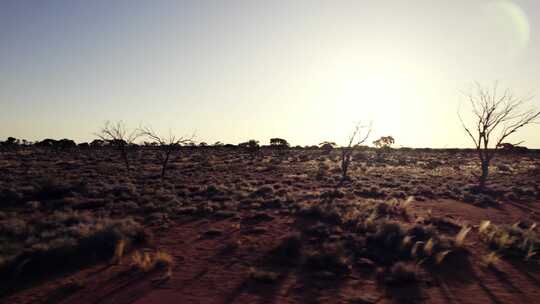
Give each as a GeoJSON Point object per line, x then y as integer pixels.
{"type": "Point", "coordinates": [520, 240]}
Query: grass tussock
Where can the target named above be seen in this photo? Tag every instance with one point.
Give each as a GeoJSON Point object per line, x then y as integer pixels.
{"type": "Point", "coordinates": [63, 240]}
{"type": "Point", "coordinates": [147, 261]}
{"type": "Point", "coordinates": [520, 240]}
{"type": "Point", "coordinates": [398, 274]}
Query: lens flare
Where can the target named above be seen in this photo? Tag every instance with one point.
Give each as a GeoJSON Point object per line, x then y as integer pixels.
{"type": "Point", "coordinates": [512, 18]}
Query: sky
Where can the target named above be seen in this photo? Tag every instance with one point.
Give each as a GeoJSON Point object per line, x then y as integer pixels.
{"type": "Point", "coordinates": [229, 71]}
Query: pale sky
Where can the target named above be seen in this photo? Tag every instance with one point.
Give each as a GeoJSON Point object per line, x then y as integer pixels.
{"type": "Point", "coordinates": [231, 70]}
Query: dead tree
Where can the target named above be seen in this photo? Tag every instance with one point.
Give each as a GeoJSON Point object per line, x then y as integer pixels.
{"type": "Point", "coordinates": [166, 145]}
{"type": "Point", "coordinates": [116, 135]}
{"type": "Point", "coordinates": [495, 113]}
{"type": "Point", "coordinates": [346, 152]}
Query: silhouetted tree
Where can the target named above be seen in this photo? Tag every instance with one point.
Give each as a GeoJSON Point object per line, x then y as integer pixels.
{"type": "Point", "coordinates": [252, 146]}
{"type": "Point", "coordinates": [346, 152]}
{"type": "Point", "coordinates": [12, 141]}
{"type": "Point", "coordinates": [279, 143]}
{"type": "Point", "coordinates": [495, 112]}
{"type": "Point", "coordinates": [327, 146]}
{"type": "Point", "coordinates": [118, 136]}
{"type": "Point", "coordinates": [61, 144]}
{"type": "Point", "coordinates": [97, 143]}
{"type": "Point", "coordinates": [167, 145]}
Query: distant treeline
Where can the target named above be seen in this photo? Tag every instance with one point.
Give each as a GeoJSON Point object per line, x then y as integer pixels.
{"type": "Point", "coordinates": [275, 143]}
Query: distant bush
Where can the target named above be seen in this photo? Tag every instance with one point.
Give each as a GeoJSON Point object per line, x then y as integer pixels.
{"type": "Point", "coordinates": [327, 146]}
{"type": "Point", "coordinates": [83, 145]}
{"type": "Point", "coordinates": [56, 144]}
{"type": "Point", "coordinates": [10, 142]}
{"type": "Point", "coordinates": [384, 142]}
{"type": "Point", "coordinates": [251, 145]}
{"type": "Point", "coordinates": [279, 143]}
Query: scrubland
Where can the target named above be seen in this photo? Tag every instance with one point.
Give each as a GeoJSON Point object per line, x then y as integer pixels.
{"type": "Point", "coordinates": [230, 225]}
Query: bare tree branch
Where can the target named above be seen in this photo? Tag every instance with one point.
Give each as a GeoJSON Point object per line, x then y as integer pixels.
{"type": "Point", "coordinates": [167, 145]}
{"type": "Point", "coordinates": [495, 111]}
{"type": "Point", "coordinates": [117, 135]}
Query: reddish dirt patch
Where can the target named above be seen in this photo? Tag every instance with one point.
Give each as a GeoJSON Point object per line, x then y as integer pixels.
{"type": "Point", "coordinates": [210, 269]}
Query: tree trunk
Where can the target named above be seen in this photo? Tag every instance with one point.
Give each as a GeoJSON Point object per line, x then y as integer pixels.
{"type": "Point", "coordinates": [484, 175]}
{"type": "Point", "coordinates": [164, 168]}
{"type": "Point", "coordinates": [125, 157]}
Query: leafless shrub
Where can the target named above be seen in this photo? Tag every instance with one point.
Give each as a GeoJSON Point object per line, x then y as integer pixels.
{"type": "Point", "coordinates": [495, 112]}
{"type": "Point", "coordinates": [118, 136]}
{"type": "Point", "coordinates": [167, 145]}
{"type": "Point", "coordinates": [346, 152]}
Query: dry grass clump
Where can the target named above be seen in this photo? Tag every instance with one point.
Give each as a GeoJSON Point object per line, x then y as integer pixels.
{"type": "Point", "coordinates": [398, 274]}
{"type": "Point", "coordinates": [427, 246]}
{"type": "Point", "coordinates": [324, 212]}
{"type": "Point", "coordinates": [519, 240]}
{"type": "Point", "coordinates": [393, 241]}
{"type": "Point", "coordinates": [119, 251]}
{"type": "Point", "coordinates": [147, 261]}
{"type": "Point", "coordinates": [50, 188]}
{"type": "Point", "coordinates": [361, 214]}
{"type": "Point", "coordinates": [382, 232]}
{"type": "Point", "coordinates": [491, 259]}
{"type": "Point", "coordinates": [63, 240]}
{"type": "Point", "coordinates": [330, 260]}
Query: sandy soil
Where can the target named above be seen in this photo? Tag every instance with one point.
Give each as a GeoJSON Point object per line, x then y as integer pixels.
{"type": "Point", "coordinates": [221, 215]}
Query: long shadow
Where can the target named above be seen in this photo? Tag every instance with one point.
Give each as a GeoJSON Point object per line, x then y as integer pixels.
{"type": "Point", "coordinates": [236, 292]}
{"type": "Point", "coordinates": [532, 212]}
{"type": "Point", "coordinates": [406, 293]}
{"type": "Point", "coordinates": [313, 288]}
{"type": "Point", "coordinates": [445, 291]}
{"type": "Point", "coordinates": [113, 287]}
{"type": "Point", "coordinates": [458, 271]}
{"type": "Point", "coordinates": [486, 289]}
{"type": "Point", "coordinates": [503, 278]}
{"type": "Point", "coordinates": [455, 271]}
{"type": "Point", "coordinates": [524, 268]}
{"type": "Point", "coordinates": [267, 292]}
{"type": "Point", "coordinates": [286, 260]}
